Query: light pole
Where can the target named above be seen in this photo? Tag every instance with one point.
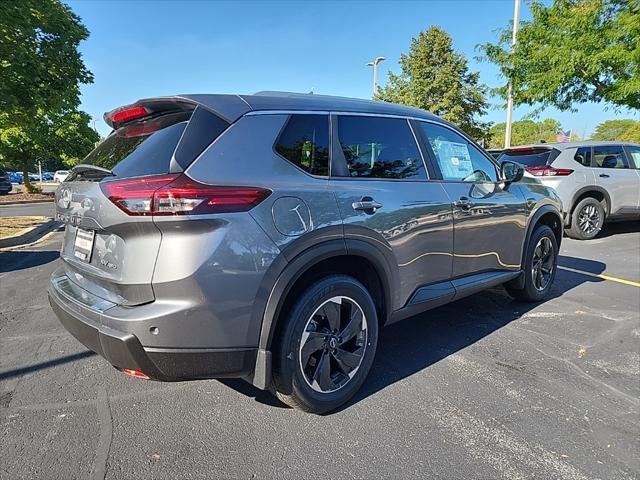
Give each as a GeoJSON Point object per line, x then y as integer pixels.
{"type": "Point", "coordinates": [507, 132]}
{"type": "Point", "coordinates": [374, 64]}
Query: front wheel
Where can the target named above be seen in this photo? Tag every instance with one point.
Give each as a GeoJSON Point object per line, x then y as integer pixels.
{"type": "Point", "coordinates": [327, 346]}
{"type": "Point", "coordinates": [540, 267]}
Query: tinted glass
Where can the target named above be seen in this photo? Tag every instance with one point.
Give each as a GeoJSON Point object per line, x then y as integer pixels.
{"type": "Point", "coordinates": [140, 148]}
{"type": "Point", "coordinates": [458, 159]}
{"type": "Point", "coordinates": [610, 156]}
{"type": "Point", "coordinates": [530, 157]}
{"type": "Point", "coordinates": [583, 156]}
{"type": "Point", "coordinates": [379, 147]}
{"type": "Point", "coordinates": [204, 127]}
{"type": "Point", "coordinates": [305, 143]}
{"type": "Point", "coordinates": [635, 154]}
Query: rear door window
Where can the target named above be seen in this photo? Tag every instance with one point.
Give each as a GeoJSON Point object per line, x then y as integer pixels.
{"type": "Point", "coordinates": [304, 141]}
{"type": "Point", "coordinates": [380, 147]}
{"type": "Point", "coordinates": [583, 156]}
{"type": "Point", "coordinates": [610, 156]}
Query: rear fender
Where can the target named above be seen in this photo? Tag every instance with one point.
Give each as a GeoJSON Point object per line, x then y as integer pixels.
{"type": "Point", "coordinates": [283, 275]}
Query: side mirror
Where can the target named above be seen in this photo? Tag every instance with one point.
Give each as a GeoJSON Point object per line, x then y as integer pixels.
{"type": "Point", "coordinates": [511, 171]}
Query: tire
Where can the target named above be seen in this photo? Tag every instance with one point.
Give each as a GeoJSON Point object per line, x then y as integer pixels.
{"type": "Point", "coordinates": [544, 238]}
{"type": "Point", "coordinates": [587, 219]}
{"type": "Point", "coordinates": [306, 340]}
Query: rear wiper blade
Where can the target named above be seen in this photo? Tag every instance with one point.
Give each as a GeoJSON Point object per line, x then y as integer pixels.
{"type": "Point", "coordinates": [89, 173]}
{"type": "Point", "coordinates": [84, 169]}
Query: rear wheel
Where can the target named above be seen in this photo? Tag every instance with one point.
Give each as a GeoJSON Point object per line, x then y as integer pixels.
{"type": "Point", "coordinates": [327, 346]}
{"type": "Point", "coordinates": [539, 267]}
{"type": "Point", "coordinates": [587, 219]}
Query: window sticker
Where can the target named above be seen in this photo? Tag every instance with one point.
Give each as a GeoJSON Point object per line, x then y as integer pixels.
{"type": "Point", "coordinates": [454, 159]}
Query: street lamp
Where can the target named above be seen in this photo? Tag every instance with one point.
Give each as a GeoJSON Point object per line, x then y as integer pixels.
{"type": "Point", "coordinates": [374, 64]}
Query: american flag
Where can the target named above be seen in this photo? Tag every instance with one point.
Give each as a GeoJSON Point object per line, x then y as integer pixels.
{"type": "Point", "coordinates": [563, 136]}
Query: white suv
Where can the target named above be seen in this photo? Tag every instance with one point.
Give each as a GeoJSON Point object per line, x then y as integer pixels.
{"type": "Point", "coordinates": [596, 181]}
{"type": "Point", "coordinates": [60, 176]}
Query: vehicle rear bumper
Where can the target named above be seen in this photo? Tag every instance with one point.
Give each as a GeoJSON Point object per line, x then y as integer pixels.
{"type": "Point", "coordinates": [82, 318]}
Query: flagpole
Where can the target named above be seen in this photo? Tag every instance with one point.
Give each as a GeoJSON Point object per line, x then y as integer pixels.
{"type": "Point", "coordinates": [516, 21]}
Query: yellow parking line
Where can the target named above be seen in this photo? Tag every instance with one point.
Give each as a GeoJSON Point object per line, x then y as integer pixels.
{"type": "Point", "coordinates": [604, 277]}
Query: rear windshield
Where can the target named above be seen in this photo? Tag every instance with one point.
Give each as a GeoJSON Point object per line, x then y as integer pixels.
{"type": "Point", "coordinates": [140, 148]}
{"type": "Point", "coordinates": [530, 157]}
{"type": "Point", "coordinates": [147, 148]}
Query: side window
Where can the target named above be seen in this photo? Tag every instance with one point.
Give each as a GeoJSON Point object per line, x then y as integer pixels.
{"type": "Point", "coordinates": [610, 156]}
{"type": "Point", "coordinates": [635, 154]}
{"type": "Point", "coordinates": [304, 141]}
{"type": "Point", "coordinates": [379, 147]}
{"type": "Point", "coordinates": [457, 158]}
{"type": "Point", "coordinates": [583, 156]}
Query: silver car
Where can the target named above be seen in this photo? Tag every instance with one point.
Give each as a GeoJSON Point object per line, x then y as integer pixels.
{"type": "Point", "coordinates": [270, 236]}
{"type": "Point", "coordinates": [597, 181]}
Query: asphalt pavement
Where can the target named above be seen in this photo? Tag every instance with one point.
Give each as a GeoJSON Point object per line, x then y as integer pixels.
{"type": "Point", "coordinates": [485, 387]}
{"type": "Point", "coordinates": [45, 209]}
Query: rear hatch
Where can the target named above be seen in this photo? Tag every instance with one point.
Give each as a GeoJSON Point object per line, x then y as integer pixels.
{"type": "Point", "coordinates": [111, 242]}
{"type": "Point", "coordinates": [536, 160]}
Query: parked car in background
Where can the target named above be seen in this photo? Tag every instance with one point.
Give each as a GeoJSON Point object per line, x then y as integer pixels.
{"type": "Point", "coordinates": [269, 236]}
{"type": "Point", "coordinates": [47, 176]}
{"type": "Point", "coordinates": [495, 152]}
{"type": "Point", "coordinates": [15, 177]}
{"type": "Point", "coordinates": [597, 181]}
{"type": "Point", "coordinates": [60, 175]}
{"type": "Point", "coordinates": [5, 182]}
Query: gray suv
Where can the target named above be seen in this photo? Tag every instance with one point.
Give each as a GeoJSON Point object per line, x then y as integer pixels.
{"type": "Point", "coordinates": [596, 181]}
{"type": "Point", "coordinates": [270, 236]}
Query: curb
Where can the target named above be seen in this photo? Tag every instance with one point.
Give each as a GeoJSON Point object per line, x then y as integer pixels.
{"type": "Point", "coordinates": [22, 202]}
{"type": "Point", "coordinates": [30, 236]}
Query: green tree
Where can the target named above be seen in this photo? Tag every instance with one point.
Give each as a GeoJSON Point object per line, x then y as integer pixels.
{"type": "Point", "coordinates": [435, 77]}
{"type": "Point", "coordinates": [524, 132]}
{"type": "Point", "coordinates": [632, 134]}
{"type": "Point", "coordinates": [573, 51]}
{"type": "Point", "coordinates": [41, 71]}
{"type": "Point", "coordinates": [613, 129]}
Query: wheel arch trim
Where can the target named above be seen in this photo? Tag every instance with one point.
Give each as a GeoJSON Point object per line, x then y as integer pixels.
{"type": "Point", "coordinates": [292, 271]}
{"type": "Point", "coordinates": [534, 219]}
{"type": "Point", "coordinates": [587, 189]}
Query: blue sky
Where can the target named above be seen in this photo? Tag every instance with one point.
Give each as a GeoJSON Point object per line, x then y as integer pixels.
{"type": "Point", "coordinates": [147, 48]}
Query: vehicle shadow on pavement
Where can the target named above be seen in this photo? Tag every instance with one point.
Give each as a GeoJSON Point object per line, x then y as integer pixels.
{"type": "Point", "coordinates": [18, 260]}
{"type": "Point", "coordinates": [615, 228]}
{"type": "Point", "coordinates": [17, 372]}
{"type": "Point", "coordinates": [416, 343]}
{"type": "Point", "coordinates": [412, 345]}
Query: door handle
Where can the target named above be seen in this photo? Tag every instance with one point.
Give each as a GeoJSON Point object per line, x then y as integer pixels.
{"type": "Point", "coordinates": [366, 204]}
{"type": "Point", "coordinates": [463, 203]}
{"type": "Point", "coordinates": [604, 175]}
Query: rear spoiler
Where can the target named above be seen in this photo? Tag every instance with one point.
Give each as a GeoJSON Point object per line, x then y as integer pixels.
{"type": "Point", "coordinates": [148, 108]}
{"type": "Point", "coordinates": [228, 107]}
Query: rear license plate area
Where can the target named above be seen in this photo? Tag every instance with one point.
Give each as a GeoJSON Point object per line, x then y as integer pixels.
{"type": "Point", "coordinates": [83, 244]}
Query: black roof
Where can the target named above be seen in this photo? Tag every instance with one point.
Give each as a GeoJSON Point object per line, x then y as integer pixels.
{"type": "Point", "coordinates": [233, 106]}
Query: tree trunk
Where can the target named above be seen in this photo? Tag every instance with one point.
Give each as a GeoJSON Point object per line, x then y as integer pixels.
{"type": "Point", "coordinates": [25, 178]}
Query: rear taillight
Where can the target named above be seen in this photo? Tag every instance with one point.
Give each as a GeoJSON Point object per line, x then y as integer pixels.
{"type": "Point", "coordinates": [179, 195]}
{"type": "Point", "coordinates": [548, 171]}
